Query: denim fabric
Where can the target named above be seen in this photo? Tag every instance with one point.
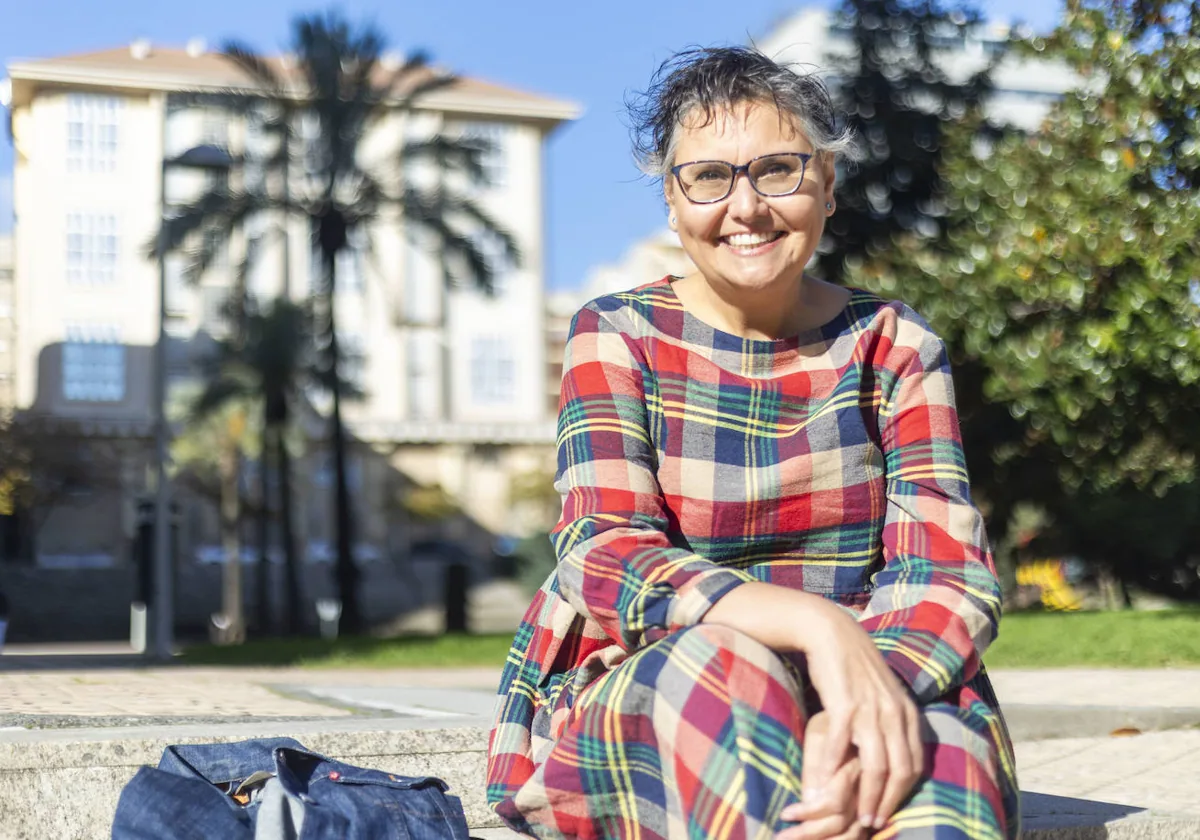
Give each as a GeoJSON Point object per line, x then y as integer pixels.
{"type": "Point", "coordinates": [305, 797]}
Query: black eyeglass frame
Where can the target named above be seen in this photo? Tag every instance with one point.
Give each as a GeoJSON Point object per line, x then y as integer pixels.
{"type": "Point", "coordinates": [744, 169]}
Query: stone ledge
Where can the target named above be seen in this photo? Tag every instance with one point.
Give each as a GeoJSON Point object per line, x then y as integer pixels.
{"type": "Point", "coordinates": [83, 771]}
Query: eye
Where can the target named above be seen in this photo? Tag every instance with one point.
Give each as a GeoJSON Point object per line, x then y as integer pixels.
{"type": "Point", "coordinates": [779, 167]}
{"type": "Point", "coordinates": [702, 172]}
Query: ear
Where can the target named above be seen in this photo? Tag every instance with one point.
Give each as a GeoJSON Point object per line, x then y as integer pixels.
{"type": "Point", "coordinates": [669, 197]}
{"type": "Point", "coordinates": [829, 171]}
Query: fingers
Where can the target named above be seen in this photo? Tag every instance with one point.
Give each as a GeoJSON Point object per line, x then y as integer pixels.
{"type": "Point", "coordinates": [873, 755]}
{"type": "Point", "coordinates": [899, 760]}
{"type": "Point", "coordinates": [816, 736]}
{"type": "Point", "coordinates": [823, 829]}
{"type": "Point", "coordinates": [906, 761]}
{"type": "Point", "coordinates": [830, 816]}
{"type": "Point", "coordinates": [831, 754]}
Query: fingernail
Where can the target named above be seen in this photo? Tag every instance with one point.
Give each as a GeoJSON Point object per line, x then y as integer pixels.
{"type": "Point", "coordinates": [867, 821]}
{"type": "Point", "coordinates": [879, 822]}
{"type": "Point", "coordinates": [791, 812]}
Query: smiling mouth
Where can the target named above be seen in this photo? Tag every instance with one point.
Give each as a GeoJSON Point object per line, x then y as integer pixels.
{"type": "Point", "coordinates": [750, 241]}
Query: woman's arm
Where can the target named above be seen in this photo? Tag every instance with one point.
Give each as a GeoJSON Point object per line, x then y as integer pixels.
{"type": "Point", "coordinates": [616, 562]}
{"type": "Point", "coordinates": [936, 604]}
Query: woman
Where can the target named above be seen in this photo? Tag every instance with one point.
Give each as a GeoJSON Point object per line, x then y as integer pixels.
{"type": "Point", "coordinates": [773, 590]}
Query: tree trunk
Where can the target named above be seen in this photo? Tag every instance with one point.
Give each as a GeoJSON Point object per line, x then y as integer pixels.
{"type": "Point", "coordinates": [263, 620]}
{"type": "Point", "coordinates": [231, 626]}
{"type": "Point", "coordinates": [294, 603]}
{"type": "Point", "coordinates": [346, 571]}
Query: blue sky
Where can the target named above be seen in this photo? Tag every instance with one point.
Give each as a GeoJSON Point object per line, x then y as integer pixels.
{"type": "Point", "coordinates": [590, 53]}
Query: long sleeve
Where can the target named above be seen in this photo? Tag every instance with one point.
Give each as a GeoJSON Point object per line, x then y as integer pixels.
{"type": "Point", "coordinates": [616, 561]}
{"type": "Point", "coordinates": [936, 601]}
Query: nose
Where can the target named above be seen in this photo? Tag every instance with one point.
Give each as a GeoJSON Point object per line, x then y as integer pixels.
{"type": "Point", "coordinates": [744, 201]}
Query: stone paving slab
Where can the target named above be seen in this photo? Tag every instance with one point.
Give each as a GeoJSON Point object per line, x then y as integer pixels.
{"type": "Point", "coordinates": [213, 692]}
{"type": "Point", "coordinates": [149, 692]}
{"type": "Point", "coordinates": [1145, 688]}
{"type": "Point", "coordinates": [1156, 771]}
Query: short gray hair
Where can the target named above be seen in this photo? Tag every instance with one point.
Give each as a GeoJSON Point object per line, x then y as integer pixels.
{"type": "Point", "coordinates": [709, 80]}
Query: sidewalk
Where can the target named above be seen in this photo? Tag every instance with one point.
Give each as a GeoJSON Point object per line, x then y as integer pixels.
{"type": "Point", "coordinates": [1141, 768]}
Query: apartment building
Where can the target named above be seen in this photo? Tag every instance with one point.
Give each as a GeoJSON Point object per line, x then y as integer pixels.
{"type": "Point", "coordinates": [1023, 89]}
{"type": "Point", "coordinates": [7, 330]}
{"type": "Point", "coordinates": [453, 380]}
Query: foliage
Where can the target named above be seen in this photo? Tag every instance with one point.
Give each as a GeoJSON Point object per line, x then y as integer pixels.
{"type": "Point", "coordinates": [1149, 541]}
{"type": "Point", "coordinates": [258, 377]}
{"type": "Point", "coordinates": [535, 560]}
{"type": "Point", "coordinates": [429, 503]}
{"type": "Point", "coordinates": [1159, 639]}
{"type": "Point", "coordinates": [1066, 285]}
{"type": "Point", "coordinates": [899, 100]}
{"type": "Point", "coordinates": [44, 461]}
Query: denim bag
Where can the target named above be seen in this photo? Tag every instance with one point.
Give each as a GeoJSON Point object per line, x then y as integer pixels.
{"type": "Point", "coordinates": [275, 789]}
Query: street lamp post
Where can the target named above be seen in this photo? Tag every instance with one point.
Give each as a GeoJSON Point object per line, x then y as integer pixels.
{"type": "Point", "coordinates": [163, 605]}
{"type": "Point", "coordinates": [211, 158]}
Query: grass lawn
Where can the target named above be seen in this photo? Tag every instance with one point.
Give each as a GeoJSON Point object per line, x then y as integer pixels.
{"type": "Point", "coordinates": [1097, 639]}
{"type": "Point", "coordinates": [456, 651]}
{"type": "Point", "coordinates": [1027, 640]}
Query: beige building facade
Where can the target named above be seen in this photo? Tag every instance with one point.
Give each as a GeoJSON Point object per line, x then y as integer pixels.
{"type": "Point", "coordinates": [7, 326]}
{"type": "Point", "coordinates": [454, 380]}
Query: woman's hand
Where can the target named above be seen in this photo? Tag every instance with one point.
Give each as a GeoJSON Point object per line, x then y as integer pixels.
{"type": "Point", "coordinates": [829, 813]}
{"type": "Point", "coordinates": [868, 710]}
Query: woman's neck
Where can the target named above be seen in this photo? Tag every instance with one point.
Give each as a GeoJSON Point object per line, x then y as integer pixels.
{"type": "Point", "coordinates": [766, 314]}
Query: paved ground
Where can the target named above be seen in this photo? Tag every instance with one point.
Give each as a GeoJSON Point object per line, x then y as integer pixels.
{"type": "Point", "coordinates": [1118, 757]}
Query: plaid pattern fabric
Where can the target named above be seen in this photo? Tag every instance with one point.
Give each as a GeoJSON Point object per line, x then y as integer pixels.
{"type": "Point", "coordinates": [692, 461]}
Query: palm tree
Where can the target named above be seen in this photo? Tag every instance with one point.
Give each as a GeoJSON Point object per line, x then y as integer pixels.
{"type": "Point", "coordinates": [339, 87]}
{"type": "Point", "coordinates": [270, 364]}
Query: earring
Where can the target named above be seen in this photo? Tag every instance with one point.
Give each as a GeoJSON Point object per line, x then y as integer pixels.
{"type": "Point", "coordinates": [828, 205]}
{"type": "Point", "coordinates": [671, 221]}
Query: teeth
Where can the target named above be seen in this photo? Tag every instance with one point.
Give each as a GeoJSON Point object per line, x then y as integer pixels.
{"type": "Point", "coordinates": [749, 240]}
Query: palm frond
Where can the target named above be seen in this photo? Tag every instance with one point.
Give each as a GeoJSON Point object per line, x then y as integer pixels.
{"type": "Point", "coordinates": [258, 68]}
{"type": "Point", "coordinates": [483, 224]}
{"type": "Point", "coordinates": [219, 393]}
{"type": "Point", "coordinates": [226, 99]}
{"type": "Point", "coordinates": [465, 155]}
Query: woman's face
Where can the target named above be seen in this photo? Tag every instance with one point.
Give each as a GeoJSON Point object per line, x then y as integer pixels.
{"type": "Point", "coordinates": [749, 241]}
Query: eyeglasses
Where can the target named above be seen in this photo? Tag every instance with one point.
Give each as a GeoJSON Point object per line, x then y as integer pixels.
{"type": "Point", "coordinates": [710, 181]}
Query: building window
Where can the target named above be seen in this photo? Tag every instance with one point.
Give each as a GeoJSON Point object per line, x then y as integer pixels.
{"type": "Point", "coordinates": [91, 249]}
{"type": "Point", "coordinates": [93, 364]}
{"type": "Point", "coordinates": [424, 385]}
{"type": "Point", "coordinates": [215, 310]}
{"type": "Point", "coordinates": [495, 160]}
{"type": "Point", "coordinates": [178, 297]}
{"type": "Point", "coordinates": [214, 128]}
{"type": "Point", "coordinates": [349, 262]}
{"type": "Point", "coordinates": [93, 125]}
{"type": "Point", "coordinates": [423, 279]}
{"type": "Point", "coordinates": [353, 357]}
{"type": "Point", "coordinates": [493, 371]}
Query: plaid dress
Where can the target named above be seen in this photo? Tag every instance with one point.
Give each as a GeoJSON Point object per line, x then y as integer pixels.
{"type": "Point", "coordinates": [690, 462]}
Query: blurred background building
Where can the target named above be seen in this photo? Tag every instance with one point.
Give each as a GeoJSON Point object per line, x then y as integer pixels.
{"type": "Point", "coordinates": [453, 412]}
{"type": "Point", "coordinates": [1023, 89]}
{"type": "Point", "coordinates": [7, 328]}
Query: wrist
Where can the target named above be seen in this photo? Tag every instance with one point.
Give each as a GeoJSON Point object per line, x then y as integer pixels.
{"type": "Point", "coordinates": [815, 621]}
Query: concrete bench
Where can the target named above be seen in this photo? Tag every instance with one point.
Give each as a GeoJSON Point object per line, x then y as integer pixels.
{"type": "Point", "coordinates": [65, 783]}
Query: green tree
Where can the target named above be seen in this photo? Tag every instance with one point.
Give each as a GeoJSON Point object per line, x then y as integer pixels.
{"type": "Point", "coordinates": [341, 88]}
{"type": "Point", "coordinates": [896, 94]}
{"type": "Point", "coordinates": [267, 372]}
{"type": "Point", "coordinates": [1067, 284]}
